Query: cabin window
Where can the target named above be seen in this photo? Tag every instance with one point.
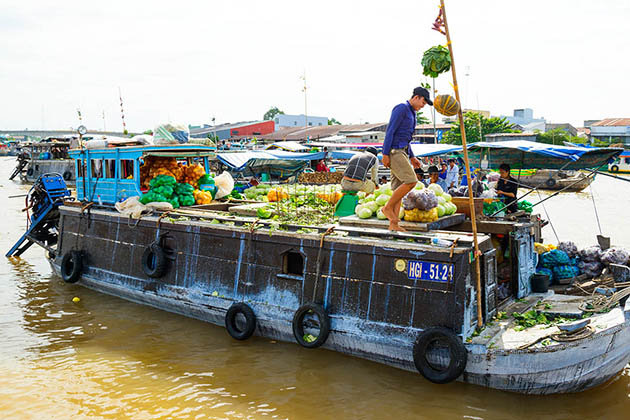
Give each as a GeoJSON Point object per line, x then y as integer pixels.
{"type": "Point", "coordinates": [627, 160]}
{"type": "Point", "coordinates": [110, 168]}
{"type": "Point", "coordinates": [293, 263]}
{"type": "Point", "coordinates": [80, 168]}
{"type": "Point", "coordinates": [97, 168]}
{"type": "Point", "coordinates": [126, 169]}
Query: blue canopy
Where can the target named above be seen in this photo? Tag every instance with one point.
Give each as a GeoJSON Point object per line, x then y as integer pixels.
{"type": "Point", "coordinates": [432, 149]}
{"type": "Point", "coordinates": [531, 155]}
{"type": "Point", "coordinates": [275, 162]}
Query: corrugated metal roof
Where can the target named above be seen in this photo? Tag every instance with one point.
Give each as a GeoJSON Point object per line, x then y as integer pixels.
{"type": "Point", "coordinates": [301, 133]}
{"type": "Point", "coordinates": [613, 122]}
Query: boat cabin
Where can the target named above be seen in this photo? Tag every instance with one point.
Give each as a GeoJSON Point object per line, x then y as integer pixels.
{"type": "Point", "coordinates": [112, 174]}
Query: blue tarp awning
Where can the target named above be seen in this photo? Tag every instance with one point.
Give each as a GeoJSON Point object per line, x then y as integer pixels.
{"type": "Point", "coordinates": [275, 162]}
{"type": "Point", "coordinates": [432, 149]}
{"type": "Point", "coordinates": [531, 155]}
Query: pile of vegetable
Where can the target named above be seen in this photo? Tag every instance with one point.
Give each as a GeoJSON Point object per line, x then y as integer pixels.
{"type": "Point", "coordinates": [165, 188]}
{"type": "Point", "coordinates": [419, 205]}
{"type": "Point", "coordinates": [175, 183]}
{"type": "Point", "coordinates": [269, 193]}
{"type": "Point", "coordinates": [435, 61]}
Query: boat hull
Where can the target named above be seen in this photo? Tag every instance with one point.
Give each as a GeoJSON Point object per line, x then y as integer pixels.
{"type": "Point", "coordinates": [38, 167]}
{"type": "Point", "coordinates": [374, 318]}
{"type": "Point", "coordinates": [565, 368]}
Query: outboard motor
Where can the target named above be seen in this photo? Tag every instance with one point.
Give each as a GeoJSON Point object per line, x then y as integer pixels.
{"type": "Point", "coordinates": [44, 199]}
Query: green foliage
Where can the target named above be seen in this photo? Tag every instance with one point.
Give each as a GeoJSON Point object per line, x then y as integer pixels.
{"type": "Point", "coordinates": [477, 126]}
{"type": "Point", "coordinates": [436, 60]}
{"type": "Point", "coordinates": [333, 121]}
{"type": "Point", "coordinates": [148, 132]}
{"type": "Point", "coordinates": [273, 111]}
{"type": "Point", "coordinates": [558, 136]}
{"type": "Point", "coordinates": [421, 119]}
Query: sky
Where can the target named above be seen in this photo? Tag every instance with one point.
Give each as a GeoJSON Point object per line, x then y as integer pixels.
{"type": "Point", "coordinates": [188, 61]}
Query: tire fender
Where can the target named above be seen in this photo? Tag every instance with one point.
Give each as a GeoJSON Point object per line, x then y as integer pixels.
{"type": "Point", "coordinates": [30, 172]}
{"type": "Point", "coordinates": [324, 325]}
{"type": "Point", "coordinates": [550, 182]}
{"type": "Point", "coordinates": [456, 348]}
{"type": "Point", "coordinates": [614, 168]}
{"type": "Point", "coordinates": [67, 175]}
{"type": "Point", "coordinates": [71, 266]}
{"type": "Point", "coordinates": [154, 261]}
{"type": "Point", "coordinates": [250, 321]}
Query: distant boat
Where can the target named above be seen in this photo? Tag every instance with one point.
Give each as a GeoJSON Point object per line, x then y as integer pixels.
{"type": "Point", "coordinates": [621, 164]}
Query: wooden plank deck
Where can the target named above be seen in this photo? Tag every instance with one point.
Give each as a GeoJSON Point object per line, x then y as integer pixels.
{"type": "Point", "coordinates": [441, 223]}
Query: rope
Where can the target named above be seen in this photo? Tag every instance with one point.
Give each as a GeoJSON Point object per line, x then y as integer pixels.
{"type": "Point", "coordinates": [549, 218]}
{"type": "Point", "coordinates": [575, 335]}
{"type": "Point", "coordinates": [595, 208]}
{"type": "Point", "coordinates": [603, 303]}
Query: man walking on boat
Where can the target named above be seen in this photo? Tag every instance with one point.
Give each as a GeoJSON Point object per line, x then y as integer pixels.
{"type": "Point", "coordinates": [397, 153]}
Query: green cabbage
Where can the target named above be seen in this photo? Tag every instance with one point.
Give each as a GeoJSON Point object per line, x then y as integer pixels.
{"type": "Point", "coordinates": [436, 60]}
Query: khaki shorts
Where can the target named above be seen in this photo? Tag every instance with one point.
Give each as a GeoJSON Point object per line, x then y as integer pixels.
{"type": "Point", "coordinates": [401, 169]}
{"type": "Point", "coordinates": [365, 186]}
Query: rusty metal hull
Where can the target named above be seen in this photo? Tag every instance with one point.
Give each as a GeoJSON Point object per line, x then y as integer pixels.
{"type": "Point", "coordinates": [376, 312]}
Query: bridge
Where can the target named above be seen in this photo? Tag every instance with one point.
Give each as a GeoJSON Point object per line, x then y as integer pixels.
{"type": "Point", "coordinates": [51, 133]}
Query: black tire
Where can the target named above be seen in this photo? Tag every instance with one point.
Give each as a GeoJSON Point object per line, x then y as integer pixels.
{"type": "Point", "coordinates": [71, 266]}
{"type": "Point", "coordinates": [614, 168]}
{"type": "Point", "coordinates": [457, 351]}
{"type": "Point", "coordinates": [154, 261]}
{"type": "Point", "coordinates": [30, 172]}
{"type": "Point", "coordinates": [250, 321]}
{"type": "Point", "coordinates": [550, 182]}
{"type": "Point", "coordinates": [324, 325]}
{"type": "Point", "coordinates": [67, 175]}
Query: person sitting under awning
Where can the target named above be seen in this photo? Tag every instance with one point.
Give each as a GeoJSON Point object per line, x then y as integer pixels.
{"type": "Point", "coordinates": [434, 178]}
{"type": "Point", "coordinates": [321, 167]}
{"type": "Point", "coordinates": [507, 188]}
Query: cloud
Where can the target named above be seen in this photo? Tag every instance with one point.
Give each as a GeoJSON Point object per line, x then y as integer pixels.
{"type": "Point", "coordinates": [187, 61]}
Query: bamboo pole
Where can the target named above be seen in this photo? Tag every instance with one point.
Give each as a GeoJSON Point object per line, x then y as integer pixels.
{"type": "Point", "coordinates": [468, 177]}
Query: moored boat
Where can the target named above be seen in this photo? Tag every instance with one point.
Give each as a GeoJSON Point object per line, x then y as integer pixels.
{"type": "Point", "coordinates": [45, 157]}
{"type": "Point", "coordinates": [384, 296]}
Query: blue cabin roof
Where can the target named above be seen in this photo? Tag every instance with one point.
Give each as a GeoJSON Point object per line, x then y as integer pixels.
{"type": "Point", "coordinates": [113, 173]}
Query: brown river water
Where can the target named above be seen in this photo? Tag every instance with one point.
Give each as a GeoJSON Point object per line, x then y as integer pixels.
{"type": "Point", "coordinates": [105, 358]}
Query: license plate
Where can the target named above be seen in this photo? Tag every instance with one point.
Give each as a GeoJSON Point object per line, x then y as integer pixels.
{"type": "Point", "coordinates": [423, 270]}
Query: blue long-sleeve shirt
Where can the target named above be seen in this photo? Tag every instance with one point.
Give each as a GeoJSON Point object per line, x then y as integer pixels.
{"type": "Point", "coordinates": [400, 128]}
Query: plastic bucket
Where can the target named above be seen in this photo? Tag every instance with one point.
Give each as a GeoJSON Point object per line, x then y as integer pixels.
{"type": "Point", "coordinates": [540, 283]}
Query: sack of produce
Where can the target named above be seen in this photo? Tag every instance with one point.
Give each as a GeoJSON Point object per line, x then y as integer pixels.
{"type": "Point", "coordinates": [591, 254]}
{"type": "Point", "coordinates": [591, 269]}
{"type": "Point", "coordinates": [165, 190]}
{"type": "Point", "coordinates": [183, 189]}
{"type": "Point", "coordinates": [569, 247]}
{"type": "Point", "coordinates": [422, 216]}
{"type": "Point", "coordinates": [528, 207]}
{"type": "Point", "coordinates": [545, 272]}
{"type": "Point", "coordinates": [554, 258]}
{"type": "Point", "coordinates": [160, 180]}
{"type": "Point", "coordinates": [151, 197]}
{"type": "Point", "coordinates": [202, 197]}
{"type": "Point", "coordinates": [165, 134]}
{"type": "Point", "coordinates": [424, 200]}
{"type": "Point", "coordinates": [615, 255]}
{"type": "Point", "coordinates": [565, 271]}
{"type": "Point", "coordinates": [224, 183]}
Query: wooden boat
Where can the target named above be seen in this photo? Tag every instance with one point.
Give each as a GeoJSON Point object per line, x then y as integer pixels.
{"type": "Point", "coordinates": [363, 291]}
{"type": "Point", "coordinates": [45, 157]}
{"type": "Point", "coordinates": [553, 179]}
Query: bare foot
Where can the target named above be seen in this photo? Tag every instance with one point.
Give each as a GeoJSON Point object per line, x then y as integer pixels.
{"type": "Point", "coordinates": [396, 227]}
{"type": "Point", "coordinates": [389, 213]}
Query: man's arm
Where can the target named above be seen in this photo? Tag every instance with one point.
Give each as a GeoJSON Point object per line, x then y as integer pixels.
{"type": "Point", "coordinates": [394, 123]}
